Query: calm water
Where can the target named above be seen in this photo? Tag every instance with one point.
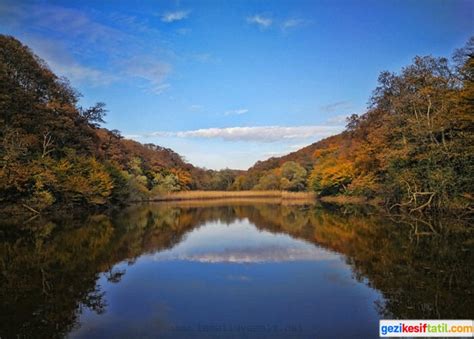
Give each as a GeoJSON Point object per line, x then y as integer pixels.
{"type": "Point", "coordinates": [220, 270]}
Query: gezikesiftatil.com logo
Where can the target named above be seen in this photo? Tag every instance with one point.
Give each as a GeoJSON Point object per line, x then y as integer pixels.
{"type": "Point", "coordinates": [426, 328]}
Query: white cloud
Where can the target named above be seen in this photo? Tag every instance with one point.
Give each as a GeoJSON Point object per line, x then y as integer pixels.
{"type": "Point", "coordinates": [292, 23]}
{"type": "Point", "coordinates": [78, 73]}
{"type": "Point", "coordinates": [274, 154]}
{"type": "Point", "coordinates": [204, 58]}
{"type": "Point", "coordinates": [174, 16]}
{"type": "Point", "coordinates": [266, 21]}
{"type": "Point", "coordinates": [131, 22]}
{"type": "Point", "coordinates": [261, 133]}
{"type": "Point", "coordinates": [159, 134]}
{"type": "Point", "coordinates": [63, 63]}
{"type": "Point", "coordinates": [133, 136]}
{"type": "Point", "coordinates": [254, 134]}
{"type": "Point", "coordinates": [69, 22]}
{"type": "Point", "coordinates": [158, 89]}
{"type": "Point", "coordinates": [151, 70]}
{"type": "Point", "coordinates": [237, 111]}
{"type": "Point", "coordinates": [83, 36]}
{"type": "Point", "coordinates": [260, 20]}
{"type": "Point", "coordinates": [298, 146]}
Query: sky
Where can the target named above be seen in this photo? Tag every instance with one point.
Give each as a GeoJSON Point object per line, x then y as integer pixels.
{"type": "Point", "coordinates": [227, 83]}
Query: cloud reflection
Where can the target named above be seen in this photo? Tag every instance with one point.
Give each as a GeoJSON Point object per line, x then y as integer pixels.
{"type": "Point", "coordinates": [246, 255]}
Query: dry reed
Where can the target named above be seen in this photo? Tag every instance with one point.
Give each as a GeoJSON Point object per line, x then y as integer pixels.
{"type": "Point", "coordinates": [208, 195]}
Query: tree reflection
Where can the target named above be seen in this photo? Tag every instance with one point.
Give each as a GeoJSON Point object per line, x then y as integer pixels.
{"type": "Point", "coordinates": [49, 268]}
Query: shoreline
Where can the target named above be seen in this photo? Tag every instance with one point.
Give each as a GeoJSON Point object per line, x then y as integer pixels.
{"type": "Point", "coordinates": [350, 200]}
{"type": "Point", "coordinates": [217, 195]}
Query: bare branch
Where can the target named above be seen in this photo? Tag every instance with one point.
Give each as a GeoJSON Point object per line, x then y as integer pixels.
{"type": "Point", "coordinates": [47, 144]}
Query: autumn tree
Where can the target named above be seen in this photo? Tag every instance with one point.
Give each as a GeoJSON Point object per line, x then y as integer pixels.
{"type": "Point", "coordinates": [424, 141]}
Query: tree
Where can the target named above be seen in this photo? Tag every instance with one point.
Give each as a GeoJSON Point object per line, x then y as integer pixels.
{"type": "Point", "coordinates": [165, 183]}
{"type": "Point", "coordinates": [293, 177]}
{"type": "Point", "coordinates": [424, 143]}
{"type": "Point", "coordinates": [332, 173]}
{"type": "Point", "coordinates": [222, 180]}
{"type": "Point", "coordinates": [95, 115]}
{"type": "Point", "coordinates": [269, 181]}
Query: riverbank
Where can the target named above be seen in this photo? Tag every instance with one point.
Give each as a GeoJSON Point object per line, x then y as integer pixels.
{"type": "Point", "coordinates": [268, 196]}
{"type": "Point", "coordinates": [274, 195]}
{"type": "Point", "coordinates": [212, 195]}
{"type": "Point", "coordinates": [350, 200]}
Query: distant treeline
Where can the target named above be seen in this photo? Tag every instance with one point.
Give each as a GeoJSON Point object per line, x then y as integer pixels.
{"type": "Point", "coordinates": [413, 147]}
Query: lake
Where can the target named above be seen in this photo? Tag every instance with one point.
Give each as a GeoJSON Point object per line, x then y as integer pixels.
{"type": "Point", "coordinates": [222, 269]}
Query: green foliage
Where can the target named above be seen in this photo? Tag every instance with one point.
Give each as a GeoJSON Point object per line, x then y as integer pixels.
{"type": "Point", "coordinates": [222, 180]}
{"type": "Point", "coordinates": [268, 181]}
{"type": "Point", "coordinates": [165, 183]}
{"type": "Point", "coordinates": [293, 177]}
{"type": "Point", "coordinates": [137, 189]}
{"type": "Point", "coordinates": [120, 192]}
{"type": "Point", "coordinates": [289, 177]}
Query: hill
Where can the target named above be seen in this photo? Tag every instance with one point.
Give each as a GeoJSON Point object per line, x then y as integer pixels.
{"type": "Point", "coordinates": [304, 156]}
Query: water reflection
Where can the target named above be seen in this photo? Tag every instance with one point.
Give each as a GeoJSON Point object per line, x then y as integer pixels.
{"type": "Point", "coordinates": [217, 269]}
{"type": "Point", "coordinates": [241, 242]}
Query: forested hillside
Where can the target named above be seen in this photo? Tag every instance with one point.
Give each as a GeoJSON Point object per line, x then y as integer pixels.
{"type": "Point", "coordinates": [54, 151]}
{"type": "Point", "coordinates": [267, 174]}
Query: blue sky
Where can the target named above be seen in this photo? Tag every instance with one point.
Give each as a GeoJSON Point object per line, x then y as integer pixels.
{"type": "Point", "coordinates": [227, 83]}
